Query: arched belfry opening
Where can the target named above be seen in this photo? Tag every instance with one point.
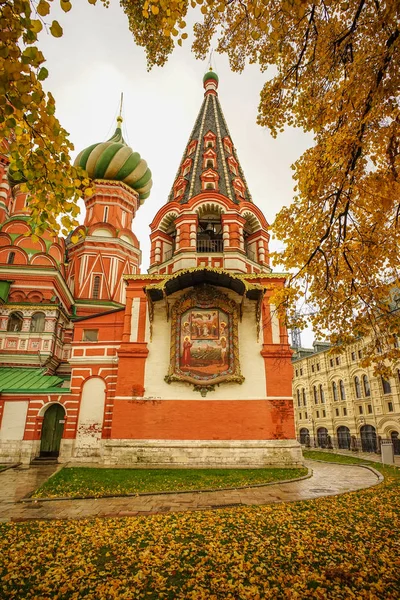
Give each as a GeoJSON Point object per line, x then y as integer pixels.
{"type": "Point", "coordinates": [209, 229]}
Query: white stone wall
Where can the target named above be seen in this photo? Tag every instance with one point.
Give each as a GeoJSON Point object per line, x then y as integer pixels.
{"type": "Point", "coordinates": [13, 421]}
{"type": "Point", "coordinates": [90, 421]}
{"type": "Point", "coordinates": [204, 453]}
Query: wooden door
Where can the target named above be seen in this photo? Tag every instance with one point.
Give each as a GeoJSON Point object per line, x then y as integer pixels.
{"type": "Point", "coordinates": [52, 430]}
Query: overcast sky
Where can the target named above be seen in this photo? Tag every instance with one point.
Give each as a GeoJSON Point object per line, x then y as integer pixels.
{"type": "Point", "coordinates": [97, 59]}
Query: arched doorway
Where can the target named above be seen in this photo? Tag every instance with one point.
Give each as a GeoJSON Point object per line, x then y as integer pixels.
{"type": "Point", "coordinates": [343, 438]}
{"type": "Point", "coordinates": [368, 438]}
{"type": "Point", "coordinates": [304, 435]}
{"type": "Point", "coordinates": [52, 430]}
{"type": "Point", "coordinates": [322, 437]}
{"type": "Point", "coordinates": [394, 436]}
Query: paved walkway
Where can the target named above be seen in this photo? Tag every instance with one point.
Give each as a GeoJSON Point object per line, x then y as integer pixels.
{"type": "Point", "coordinates": [327, 480]}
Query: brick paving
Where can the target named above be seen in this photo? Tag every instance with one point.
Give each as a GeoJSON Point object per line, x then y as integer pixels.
{"type": "Point", "coordinates": [327, 480]}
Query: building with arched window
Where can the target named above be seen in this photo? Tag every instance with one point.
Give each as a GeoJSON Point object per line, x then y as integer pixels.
{"type": "Point", "coordinates": [360, 408]}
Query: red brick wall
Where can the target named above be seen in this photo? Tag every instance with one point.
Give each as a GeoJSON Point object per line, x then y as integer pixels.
{"type": "Point", "coordinates": [203, 419]}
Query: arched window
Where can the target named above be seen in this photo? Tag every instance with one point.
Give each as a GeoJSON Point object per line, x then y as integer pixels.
{"type": "Point", "coordinates": [210, 163]}
{"type": "Point", "coordinates": [37, 322]}
{"type": "Point", "coordinates": [321, 394]}
{"type": "Point", "coordinates": [304, 435]}
{"type": "Point", "coordinates": [322, 437]}
{"type": "Point", "coordinates": [15, 321]}
{"type": "Point", "coordinates": [334, 390]}
{"type": "Point", "coordinates": [357, 386]}
{"type": "Point", "coordinates": [96, 287]}
{"type": "Point", "coordinates": [386, 386]}
{"type": "Point", "coordinates": [10, 259]}
{"type": "Point", "coordinates": [368, 438]}
{"type": "Point", "coordinates": [367, 389]}
{"type": "Point", "coordinates": [342, 390]}
{"type": "Point", "coordinates": [304, 398]}
{"type": "Point", "coordinates": [343, 437]}
{"type": "Point", "coordinates": [315, 394]}
{"type": "Point", "coordinates": [298, 398]}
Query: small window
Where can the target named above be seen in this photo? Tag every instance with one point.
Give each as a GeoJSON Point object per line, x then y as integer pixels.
{"type": "Point", "coordinates": [210, 164]}
{"type": "Point", "coordinates": [96, 287]}
{"type": "Point", "coordinates": [297, 373]}
{"type": "Point", "coordinates": [15, 321]}
{"type": "Point", "coordinates": [123, 218]}
{"type": "Point", "coordinates": [367, 389]}
{"type": "Point", "coordinates": [304, 397]}
{"type": "Point", "coordinates": [317, 414]}
{"type": "Point", "coordinates": [369, 408]}
{"type": "Point", "coordinates": [105, 214]}
{"type": "Point", "coordinates": [390, 406]}
{"type": "Point", "coordinates": [360, 410]}
{"type": "Point", "coordinates": [37, 322]}
{"type": "Point", "coordinates": [321, 394]}
{"type": "Point", "coordinates": [334, 391]}
{"type": "Point", "coordinates": [11, 257]}
{"type": "Point", "coordinates": [301, 371]}
{"type": "Point", "coordinates": [338, 360]}
{"type": "Point", "coordinates": [324, 413]}
{"type": "Point", "coordinates": [342, 390]}
{"type": "Point", "coordinates": [317, 366]}
{"type": "Point", "coordinates": [353, 356]}
{"type": "Point", "coordinates": [337, 412]}
{"type": "Point", "coordinates": [357, 386]}
{"type": "Point", "coordinates": [315, 394]}
{"type": "Point", "coordinates": [345, 412]}
{"type": "Point", "coordinates": [209, 144]}
{"type": "Point", "coordinates": [331, 362]}
{"type": "Point", "coordinates": [306, 415]}
{"type": "Point", "coordinates": [210, 186]}
{"type": "Point", "coordinates": [300, 416]}
{"type": "Point", "coordinates": [312, 368]}
{"type": "Point", "coordinates": [298, 398]}
{"type": "Point", "coordinates": [386, 386]}
{"type": "Point", "coordinates": [360, 354]}
{"type": "Point", "coordinates": [90, 335]}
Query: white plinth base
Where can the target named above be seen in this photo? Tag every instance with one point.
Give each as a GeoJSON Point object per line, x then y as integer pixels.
{"type": "Point", "coordinates": [204, 453]}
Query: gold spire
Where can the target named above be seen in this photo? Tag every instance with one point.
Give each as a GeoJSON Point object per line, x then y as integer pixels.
{"type": "Point", "coordinates": [119, 118]}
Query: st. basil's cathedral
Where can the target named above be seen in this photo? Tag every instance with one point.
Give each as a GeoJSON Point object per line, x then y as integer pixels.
{"type": "Point", "coordinates": [188, 364]}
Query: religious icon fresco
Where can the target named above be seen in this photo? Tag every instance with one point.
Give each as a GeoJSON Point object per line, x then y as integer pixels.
{"type": "Point", "coordinates": [204, 341]}
{"type": "Point", "coordinates": [204, 348]}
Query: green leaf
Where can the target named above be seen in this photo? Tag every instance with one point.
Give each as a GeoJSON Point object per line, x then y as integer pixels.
{"type": "Point", "coordinates": [43, 74]}
{"type": "Point", "coordinates": [56, 29]}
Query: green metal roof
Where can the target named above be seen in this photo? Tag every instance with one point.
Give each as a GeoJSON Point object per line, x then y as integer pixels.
{"type": "Point", "coordinates": [25, 380]}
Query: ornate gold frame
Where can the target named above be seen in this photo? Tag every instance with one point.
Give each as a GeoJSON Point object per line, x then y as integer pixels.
{"type": "Point", "coordinates": [204, 296]}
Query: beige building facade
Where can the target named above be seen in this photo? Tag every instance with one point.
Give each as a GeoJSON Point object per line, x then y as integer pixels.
{"type": "Point", "coordinates": [342, 405]}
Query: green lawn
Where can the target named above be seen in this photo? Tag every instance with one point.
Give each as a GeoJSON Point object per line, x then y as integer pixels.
{"type": "Point", "coordinates": [334, 548]}
{"type": "Point", "coordinates": [86, 481]}
{"type": "Point", "coordinates": [338, 458]}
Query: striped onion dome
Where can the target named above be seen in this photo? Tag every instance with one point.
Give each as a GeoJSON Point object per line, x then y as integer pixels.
{"type": "Point", "coordinates": [116, 161]}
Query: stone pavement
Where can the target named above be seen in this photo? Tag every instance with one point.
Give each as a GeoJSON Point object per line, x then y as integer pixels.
{"type": "Point", "coordinates": [327, 480]}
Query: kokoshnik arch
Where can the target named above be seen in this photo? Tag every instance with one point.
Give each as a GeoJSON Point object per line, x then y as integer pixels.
{"type": "Point", "coordinates": [187, 364]}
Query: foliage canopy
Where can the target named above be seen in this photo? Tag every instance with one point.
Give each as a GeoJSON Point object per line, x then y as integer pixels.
{"type": "Point", "coordinates": [336, 75]}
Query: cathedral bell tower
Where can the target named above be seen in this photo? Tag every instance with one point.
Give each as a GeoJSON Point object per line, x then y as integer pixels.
{"type": "Point", "coordinates": [204, 368]}
{"type": "Point", "coordinates": [210, 219]}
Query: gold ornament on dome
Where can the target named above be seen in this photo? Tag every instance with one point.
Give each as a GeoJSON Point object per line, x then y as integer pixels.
{"type": "Point", "coordinates": [204, 339]}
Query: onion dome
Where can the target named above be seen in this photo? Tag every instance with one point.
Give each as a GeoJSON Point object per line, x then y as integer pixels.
{"type": "Point", "coordinates": [116, 161]}
{"type": "Point", "coordinates": [210, 75]}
